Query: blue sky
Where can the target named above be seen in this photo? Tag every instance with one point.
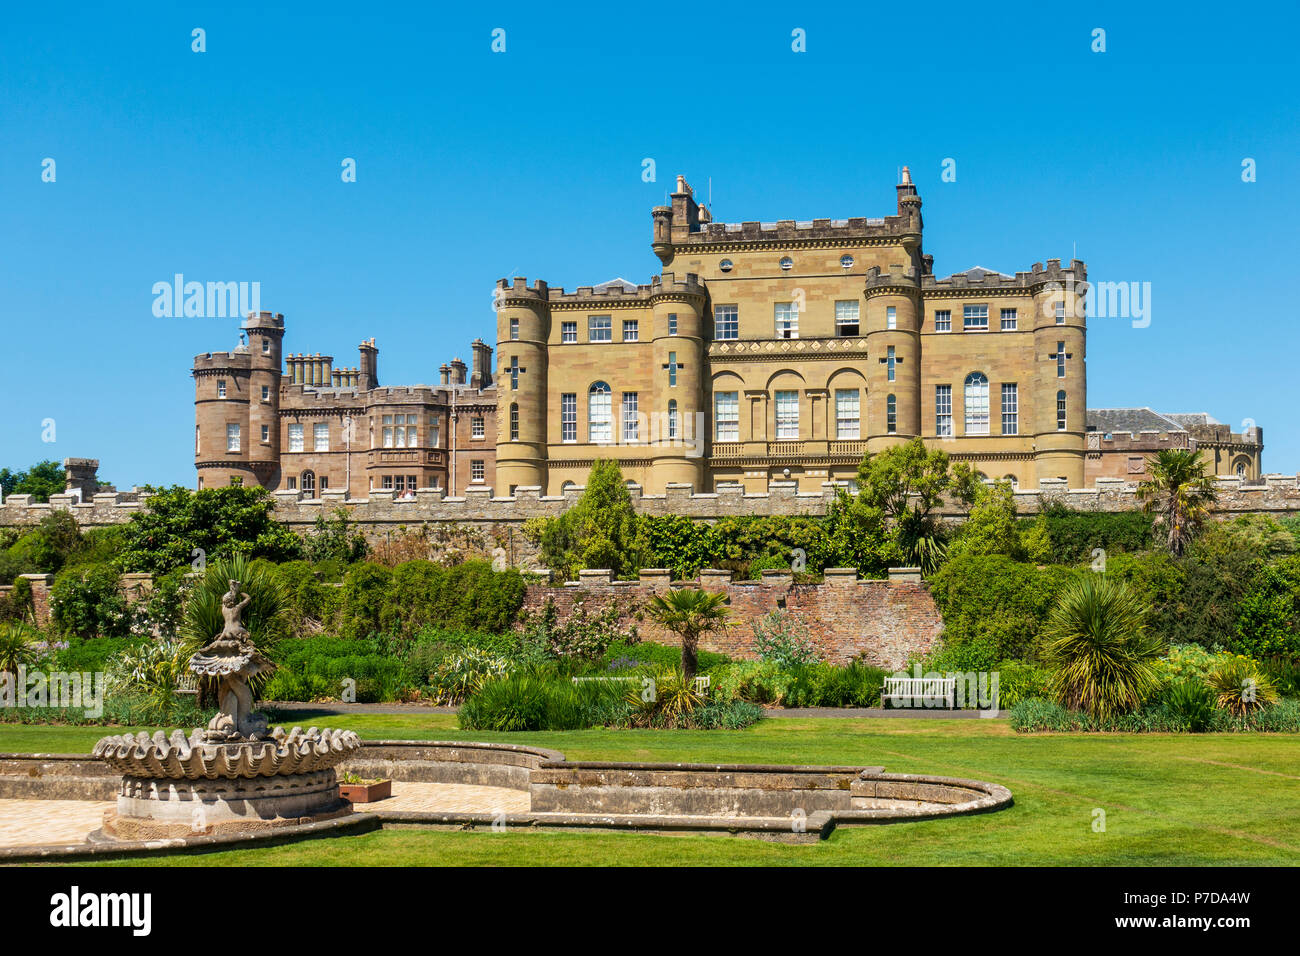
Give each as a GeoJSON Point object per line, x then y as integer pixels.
{"type": "Point", "coordinates": [473, 165]}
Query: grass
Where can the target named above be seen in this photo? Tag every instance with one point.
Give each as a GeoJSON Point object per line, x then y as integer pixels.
{"type": "Point", "coordinates": [1205, 799]}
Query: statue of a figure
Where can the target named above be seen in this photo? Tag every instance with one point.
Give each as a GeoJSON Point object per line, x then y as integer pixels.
{"type": "Point", "coordinates": [231, 657]}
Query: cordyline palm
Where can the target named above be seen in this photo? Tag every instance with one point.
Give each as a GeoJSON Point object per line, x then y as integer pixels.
{"type": "Point", "coordinates": [1179, 494]}
{"type": "Point", "coordinates": [689, 613]}
{"type": "Point", "coordinates": [1098, 647]}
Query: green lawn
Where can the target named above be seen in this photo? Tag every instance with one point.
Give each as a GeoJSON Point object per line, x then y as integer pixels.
{"type": "Point", "coordinates": [1186, 799]}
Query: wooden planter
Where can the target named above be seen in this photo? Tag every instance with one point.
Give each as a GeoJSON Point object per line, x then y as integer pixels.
{"type": "Point", "coordinates": [366, 792]}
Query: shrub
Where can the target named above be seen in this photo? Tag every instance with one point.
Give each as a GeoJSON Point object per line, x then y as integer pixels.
{"type": "Point", "coordinates": [600, 531]}
{"type": "Point", "coordinates": [1241, 687]}
{"type": "Point", "coordinates": [1067, 536]}
{"type": "Point", "coordinates": [996, 602]}
{"type": "Point", "coordinates": [1189, 706]}
{"type": "Point", "coordinates": [1018, 681]}
{"type": "Point", "coordinates": [86, 601]}
{"type": "Point", "coordinates": [1268, 616]}
{"type": "Point", "coordinates": [783, 639]}
{"type": "Point", "coordinates": [1099, 650]}
{"type": "Point", "coordinates": [364, 591]}
{"type": "Point", "coordinates": [263, 618]}
{"type": "Point", "coordinates": [322, 667]}
{"type": "Point", "coordinates": [470, 595]}
{"type": "Point", "coordinates": [529, 703]}
{"type": "Point", "coordinates": [584, 634]}
{"type": "Point", "coordinates": [335, 538]}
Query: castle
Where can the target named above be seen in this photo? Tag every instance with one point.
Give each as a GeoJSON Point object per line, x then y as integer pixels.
{"type": "Point", "coordinates": [764, 352]}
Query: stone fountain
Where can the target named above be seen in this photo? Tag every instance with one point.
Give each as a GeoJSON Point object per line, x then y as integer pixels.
{"type": "Point", "coordinates": [235, 775]}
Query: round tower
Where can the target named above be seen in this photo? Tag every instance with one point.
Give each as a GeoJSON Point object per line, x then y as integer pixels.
{"type": "Point", "coordinates": [265, 334]}
{"type": "Point", "coordinates": [1060, 399]}
{"type": "Point", "coordinates": [893, 331]}
{"type": "Point", "coordinates": [680, 429]}
{"type": "Point", "coordinates": [523, 328]}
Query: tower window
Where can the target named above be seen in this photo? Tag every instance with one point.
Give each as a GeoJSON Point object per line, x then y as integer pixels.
{"type": "Point", "coordinates": [221, 388]}
{"type": "Point", "coordinates": [891, 414]}
{"type": "Point", "coordinates": [891, 317]}
{"type": "Point", "coordinates": [232, 437]}
{"type": "Point", "coordinates": [266, 346]}
{"type": "Point", "coordinates": [266, 393]}
{"type": "Point", "coordinates": [890, 364]}
{"type": "Point", "coordinates": [726, 322]}
{"type": "Point", "coordinates": [599, 412]}
{"type": "Point", "coordinates": [846, 317]}
{"type": "Point", "coordinates": [514, 422]}
{"type": "Point", "coordinates": [672, 369]}
{"type": "Point", "coordinates": [1060, 410]}
{"type": "Point", "coordinates": [1060, 360]}
{"type": "Point", "coordinates": [514, 330]}
{"type": "Point", "coordinates": [672, 323]}
{"type": "Point", "coordinates": [672, 418]}
{"type": "Point", "coordinates": [976, 400]}
{"type": "Point", "coordinates": [1060, 313]}
{"type": "Point", "coordinates": [266, 434]}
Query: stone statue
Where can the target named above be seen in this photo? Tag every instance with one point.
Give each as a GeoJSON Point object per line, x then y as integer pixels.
{"type": "Point", "coordinates": [232, 658]}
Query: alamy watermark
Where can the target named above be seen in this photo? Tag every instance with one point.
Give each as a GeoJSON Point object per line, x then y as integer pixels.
{"type": "Point", "coordinates": [67, 690]}
{"type": "Point", "coordinates": [205, 300]}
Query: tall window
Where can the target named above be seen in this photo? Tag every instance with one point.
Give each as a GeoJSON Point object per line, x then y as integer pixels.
{"type": "Point", "coordinates": [787, 414]}
{"type": "Point", "coordinates": [599, 412]}
{"type": "Point", "coordinates": [433, 431]}
{"type": "Point", "coordinates": [569, 416]}
{"type": "Point", "coordinates": [943, 320]}
{"type": "Point", "coordinates": [568, 332]}
{"type": "Point", "coordinates": [514, 373]}
{"type": "Point", "coordinates": [1010, 409]}
{"type": "Point", "coordinates": [309, 482]}
{"type": "Point", "coordinates": [1060, 410]}
{"type": "Point", "coordinates": [672, 418]}
{"type": "Point", "coordinates": [976, 400]}
{"type": "Point", "coordinates": [891, 414]}
{"type": "Point", "coordinates": [846, 317]}
{"type": "Point", "coordinates": [221, 389]}
{"type": "Point", "coordinates": [1060, 313]}
{"type": "Point", "coordinates": [320, 433]}
{"type": "Point", "coordinates": [1010, 319]}
{"type": "Point", "coordinates": [266, 433]}
{"type": "Point", "coordinates": [943, 411]}
{"type": "Point", "coordinates": [975, 317]}
{"type": "Point", "coordinates": [266, 393]}
{"type": "Point", "coordinates": [631, 330]}
{"type": "Point", "coordinates": [514, 329]}
{"type": "Point", "coordinates": [672, 323]}
{"type": "Point", "coordinates": [726, 322]}
{"type": "Point", "coordinates": [787, 320]}
{"type": "Point", "coordinates": [232, 437]}
{"type": "Point", "coordinates": [672, 369]}
{"type": "Point", "coordinates": [514, 421]}
{"type": "Point", "coordinates": [1060, 360]}
{"type": "Point", "coordinates": [726, 416]}
{"type": "Point", "coordinates": [890, 363]}
{"type": "Point", "coordinates": [891, 317]}
{"type": "Point", "coordinates": [477, 428]}
{"type": "Point", "coordinates": [398, 431]}
{"type": "Point", "coordinates": [631, 431]}
{"type": "Point", "coordinates": [600, 328]}
{"type": "Point", "coordinates": [295, 438]}
{"type": "Point", "coordinates": [848, 413]}
{"type": "Point", "coordinates": [477, 470]}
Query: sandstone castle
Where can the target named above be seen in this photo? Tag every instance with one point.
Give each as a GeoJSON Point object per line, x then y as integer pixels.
{"type": "Point", "coordinates": [764, 352]}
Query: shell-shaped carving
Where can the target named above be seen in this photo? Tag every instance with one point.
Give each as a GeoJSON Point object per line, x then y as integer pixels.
{"type": "Point", "coordinates": [192, 758]}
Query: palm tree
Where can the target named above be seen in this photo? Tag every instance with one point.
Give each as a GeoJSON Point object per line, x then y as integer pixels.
{"type": "Point", "coordinates": [1179, 493]}
{"type": "Point", "coordinates": [1099, 649]}
{"type": "Point", "coordinates": [16, 647]}
{"type": "Point", "coordinates": [689, 613]}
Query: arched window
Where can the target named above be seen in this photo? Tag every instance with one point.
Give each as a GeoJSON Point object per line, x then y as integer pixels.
{"type": "Point", "coordinates": [514, 422]}
{"type": "Point", "coordinates": [977, 404]}
{"type": "Point", "coordinates": [567, 487]}
{"type": "Point", "coordinates": [309, 482]}
{"type": "Point", "coordinates": [1060, 410]}
{"type": "Point", "coordinates": [599, 414]}
{"type": "Point", "coordinates": [672, 418]}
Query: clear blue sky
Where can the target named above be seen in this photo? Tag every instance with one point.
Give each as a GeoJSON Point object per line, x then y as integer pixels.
{"type": "Point", "coordinates": [472, 165]}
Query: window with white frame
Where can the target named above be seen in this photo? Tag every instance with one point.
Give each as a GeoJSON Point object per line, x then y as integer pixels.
{"type": "Point", "coordinates": [266, 433]}
{"type": "Point", "coordinates": [434, 431]}
{"type": "Point", "coordinates": [847, 317]}
{"type": "Point", "coordinates": [787, 414]}
{"type": "Point", "coordinates": [295, 438]}
{"type": "Point", "coordinates": [672, 323]}
{"type": "Point", "coordinates": [568, 333]}
{"type": "Point", "coordinates": [514, 421]}
{"type": "Point", "coordinates": [631, 429]}
{"type": "Point", "coordinates": [600, 328]}
{"type": "Point", "coordinates": [477, 427]}
{"type": "Point", "coordinates": [1060, 360]}
{"type": "Point", "coordinates": [569, 417]}
{"type": "Point", "coordinates": [599, 413]}
{"type": "Point", "coordinates": [1010, 320]}
{"type": "Point", "coordinates": [232, 437]}
{"type": "Point", "coordinates": [320, 436]}
{"type": "Point", "coordinates": [787, 320]}
{"type": "Point", "coordinates": [975, 317]}
{"type": "Point", "coordinates": [848, 413]}
{"type": "Point", "coordinates": [477, 470]}
{"type": "Point", "coordinates": [1060, 410]}
{"type": "Point", "coordinates": [672, 418]}
{"type": "Point", "coordinates": [943, 320]}
{"type": "Point", "coordinates": [1060, 312]}
{"type": "Point", "coordinates": [1010, 409]}
{"type": "Point", "coordinates": [266, 393]}
{"type": "Point", "coordinates": [891, 363]}
{"type": "Point", "coordinates": [891, 414]}
{"type": "Point", "coordinates": [221, 389]}
{"type": "Point", "coordinates": [672, 369]}
{"type": "Point", "coordinates": [726, 322]}
{"type": "Point", "coordinates": [976, 403]}
{"type": "Point", "coordinates": [891, 317]}
{"type": "Point", "coordinates": [631, 330]}
{"type": "Point", "coordinates": [398, 431]}
{"type": "Point", "coordinates": [726, 416]}
{"type": "Point", "coordinates": [514, 329]}
{"type": "Point", "coordinates": [943, 411]}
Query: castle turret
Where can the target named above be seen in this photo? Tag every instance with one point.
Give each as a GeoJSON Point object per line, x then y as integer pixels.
{"type": "Point", "coordinates": [523, 329]}
{"type": "Point", "coordinates": [1060, 380]}
{"type": "Point", "coordinates": [679, 381]}
{"type": "Point", "coordinates": [265, 334]}
{"type": "Point", "coordinates": [892, 328]}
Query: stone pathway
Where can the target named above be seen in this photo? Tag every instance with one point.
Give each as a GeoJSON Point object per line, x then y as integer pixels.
{"type": "Point", "coordinates": [451, 798]}
{"type": "Point", "coordinates": [38, 822]}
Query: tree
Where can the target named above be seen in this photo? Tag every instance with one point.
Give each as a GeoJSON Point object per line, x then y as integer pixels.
{"type": "Point", "coordinates": [907, 483]}
{"type": "Point", "coordinates": [1179, 494]}
{"type": "Point", "coordinates": [991, 526]}
{"type": "Point", "coordinates": [180, 527]}
{"type": "Point", "coordinates": [600, 531]}
{"type": "Point", "coordinates": [43, 479]}
{"type": "Point", "coordinates": [689, 613]}
{"type": "Point", "coordinates": [1102, 658]}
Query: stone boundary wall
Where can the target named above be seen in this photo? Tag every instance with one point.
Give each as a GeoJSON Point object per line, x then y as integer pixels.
{"type": "Point", "coordinates": [882, 622]}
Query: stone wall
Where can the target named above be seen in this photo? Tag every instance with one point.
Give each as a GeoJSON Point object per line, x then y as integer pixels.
{"type": "Point", "coordinates": [882, 622]}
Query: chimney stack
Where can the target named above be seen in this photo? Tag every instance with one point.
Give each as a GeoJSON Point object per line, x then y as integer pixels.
{"type": "Point", "coordinates": [368, 374]}
{"type": "Point", "coordinates": [481, 377]}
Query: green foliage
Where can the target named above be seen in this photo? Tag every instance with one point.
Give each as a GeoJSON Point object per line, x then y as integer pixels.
{"type": "Point", "coordinates": [470, 595]}
{"type": "Point", "coordinates": [675, 542]}
{"type": "Point", "coordinates": [43, 479]}
{"type": "Point", "coordinates": [335, 538]}
{"type": "Point", "coordinates": [1190, 705]}
{"type": "Point", "coordinates": [990, 527]}
{"type": "Point", "coordinates": [180, 525]}
{"type": "Point", "coordinates": [600, 531]}
{"type": "Point", "coordinates": [314, 668]}
{"type": "Point", "coordinates": [1061, 535]}
{"type": "Point", "coordinates": [689, 613]}
{"type": "Point", "coordinates": [1241, 686]}
{"type": "Point", "coordinates": [783, 639]}
{"type": "Point", "coordinates": [310, 603]}
{"type": "Point", "coordinates": [585, 633]}
{"type": "Point", "coordinates": [1179, 494]}
{"type": "Point", "coordinates": [149, 674]}
{"type": "Point", "coordinates": [1215, 580]}
{"type": "Point", "coordinates": [1268, 616]}
{"type": "Point", "coordinates": [45, 549]}
{"type": "Point", "coordinates": [622, 655]}
{"type": "Point", "coordinates": [1038, 716]}
{"type": "Point", "coordinates": [17, 647]}
{"type": "Point", "coordinates": [858, 536]}
{"type": "Point", "coordinates": [529, 703]}
{"type": "Point", "coordinates": [365, 587]}
{"type": "Point", "coordinates": [816, 684]}
{"type": "Point", "coordinates": [86, 601]}
{"type": "Point", "coordinates": [263, 618]}
{"type": "Point", "coordinates": [1098, 647]}
{"type": "Point", "coordinates": [1019, 681]}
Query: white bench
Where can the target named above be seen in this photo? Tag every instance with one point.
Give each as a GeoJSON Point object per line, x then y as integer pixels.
{"type": "Point", "coordinates": [920, 691]}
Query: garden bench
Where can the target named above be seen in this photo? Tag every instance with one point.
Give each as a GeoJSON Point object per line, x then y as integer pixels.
{"type": "Point", "coordinates": [920, 691]}
{"type": "Point", "coordinates": [187, 686]}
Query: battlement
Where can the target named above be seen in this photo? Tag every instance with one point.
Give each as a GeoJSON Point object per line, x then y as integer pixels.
{"type": "Point", "coordinates": [900, 277]}
{"type": "Point", "coordinates": [797, 230]}
{"type": "Point", "coordinates": [223, 361]}
{"type": "Point", "coordinates": [608, 295]}
{"type": "Point", "coordinates": [984, 280]}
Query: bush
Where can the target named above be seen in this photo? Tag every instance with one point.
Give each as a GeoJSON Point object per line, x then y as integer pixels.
{"type": "Point", "coordinates": [322, 667]}
{"type": "Point", "coordinates": [471, 595]}
{"type": "Point", "coordinates": [529, 703]}
{"type": "Point", "coordinates": [782, 639]}
{"type": "Point", "coordinates": [365, 588]}
{"type": "Point", "coordinates": [654, 656]}
{"type": "Point", "coordinates": [1037, 716]}
{"type": "Point", "coordinates": [1268, 616]}
{"type": "Point", "coordinates": [1189, 705]}
{"type": "Point", "coordinates": [1241, 687]}
{"type": "Point", "coordinates": [1018, 681]}
{"type": "Point", "coordinates": [1071, 536]}
{"type": "Point", "coordinates": [86, 601]}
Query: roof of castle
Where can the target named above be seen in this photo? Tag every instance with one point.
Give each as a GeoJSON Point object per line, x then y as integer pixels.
{"type": "Point", "coordinates": [1193, 418]}
{"type": "Point", "coordinates": [1131, 420]}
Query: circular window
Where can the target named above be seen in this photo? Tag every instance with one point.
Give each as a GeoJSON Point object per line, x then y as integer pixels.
{"type": "Point", "coordinates": [846, 262]}
{"type": "Point", "coordinates": [787, 264]}
{"type": "Point", "coordinates": [725, 265]}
